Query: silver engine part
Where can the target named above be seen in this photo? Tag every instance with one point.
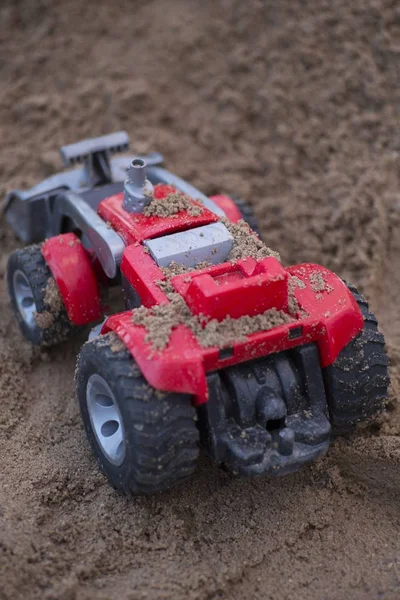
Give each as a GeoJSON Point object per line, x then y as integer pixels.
{"type": "Point", "coordinates": [210, 243]}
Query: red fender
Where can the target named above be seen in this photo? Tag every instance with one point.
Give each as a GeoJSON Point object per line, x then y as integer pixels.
{"type": "Point", "coordinates": [228, 206]}
{"type": "Point", "coordinates": [73, 271]}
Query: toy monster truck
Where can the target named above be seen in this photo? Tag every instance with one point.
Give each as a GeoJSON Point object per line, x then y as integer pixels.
{"type": "Point", "coordinates": [218, 342]}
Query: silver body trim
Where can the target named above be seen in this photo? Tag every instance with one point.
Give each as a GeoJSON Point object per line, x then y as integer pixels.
{"type": "Point", "coordinates": [106, 243]}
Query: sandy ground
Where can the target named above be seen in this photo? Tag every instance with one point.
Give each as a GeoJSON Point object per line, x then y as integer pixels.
{"type": "Point", "coordinates": [293, 105]}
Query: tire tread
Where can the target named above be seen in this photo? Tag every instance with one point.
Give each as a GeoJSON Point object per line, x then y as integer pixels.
{"type": "Point", "coordinates": [31, 262]}
{"type": "Point", "coordinates": [165, 440]}
{"type": "Point", "coordinates": [358, 381]}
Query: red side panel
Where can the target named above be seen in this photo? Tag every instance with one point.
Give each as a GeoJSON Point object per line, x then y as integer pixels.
{"type": "Point", "coordinates": [137, 227]}
{"type": "Point", "coordinates": [143, 273]}
{"type": "Point", "coordinates": [228, 206]}
{"type": "Point", "coordinates": [72, 269]}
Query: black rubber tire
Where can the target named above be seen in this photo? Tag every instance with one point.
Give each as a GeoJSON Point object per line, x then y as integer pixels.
{"type": "Point", "coordinates": [358, 381]}
{"type": "Point", "coordinates": [161, 447]}
{"type": "Point", "coordinates": [247, 214]}
{"type": "Point", "coordinates": [57, 326]}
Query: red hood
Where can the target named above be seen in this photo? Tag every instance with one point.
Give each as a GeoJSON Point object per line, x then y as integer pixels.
{"type": "Point", "coordinates": [138, 227]}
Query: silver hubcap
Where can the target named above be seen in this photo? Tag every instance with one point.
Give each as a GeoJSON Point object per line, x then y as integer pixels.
{"type": "Point", "coordinates": [24, 298]}
{"type": "Point", "coordinates": [106, 419]}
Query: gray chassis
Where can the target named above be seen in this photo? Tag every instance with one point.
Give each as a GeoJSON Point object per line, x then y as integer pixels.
{"type": "Point", "coordinates": [70, 198]}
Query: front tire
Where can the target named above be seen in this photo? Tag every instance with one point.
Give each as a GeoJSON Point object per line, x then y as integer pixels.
{"type": "Point", "coordinates": [35, 298]}
{"type": "Point", "coordinates": [145, 441]}
{"type": "Point", "coordinates": [358, 381]}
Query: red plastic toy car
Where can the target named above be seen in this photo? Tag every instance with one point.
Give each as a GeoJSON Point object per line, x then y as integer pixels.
{"type": "Point", "coordinates": [218, 342]}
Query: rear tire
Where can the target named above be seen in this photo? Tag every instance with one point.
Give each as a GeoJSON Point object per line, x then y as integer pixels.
{"type": "Point", "coordinates": [247, 215]}
{"type": "Point", "coordinates": [156, 437]}
{"type": "Point", "coordinates": [358, 381]}
{"type": "Point", "coordinates": [36, 299]}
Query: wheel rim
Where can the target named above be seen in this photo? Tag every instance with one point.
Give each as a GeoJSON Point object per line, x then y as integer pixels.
{"type": "Point", "coordinates": [24, 298]}
{"type": "Point", "coordinates": [106, 420]}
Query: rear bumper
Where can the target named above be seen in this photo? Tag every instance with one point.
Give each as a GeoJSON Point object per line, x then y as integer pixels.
{"type": "Point", "coordinates": [268, 417]}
